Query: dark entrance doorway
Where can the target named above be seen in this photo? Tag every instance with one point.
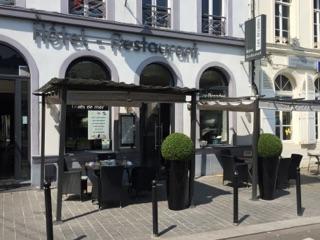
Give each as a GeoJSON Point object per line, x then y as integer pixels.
{"type": "Point", "coordinates": [155, 117]}
{"type": "Point", "coordinates": [14, 115]}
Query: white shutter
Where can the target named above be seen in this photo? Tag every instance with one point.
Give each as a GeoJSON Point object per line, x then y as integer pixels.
{"type": "Point", "coordinates": [307, 128]}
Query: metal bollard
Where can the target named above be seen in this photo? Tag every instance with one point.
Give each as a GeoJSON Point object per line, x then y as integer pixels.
{"type": "Point", "coordinates": [155, 209]}
{"type": "Point", "coordinates": [235, 198]}
{"type": "Point", "coordinates": [298, 192]}
{"type": "Point", "coordinates": [47, 200]}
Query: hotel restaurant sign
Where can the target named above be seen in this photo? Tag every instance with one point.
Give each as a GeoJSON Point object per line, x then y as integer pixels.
{"type": "Point", "coordinates": [51, 34]}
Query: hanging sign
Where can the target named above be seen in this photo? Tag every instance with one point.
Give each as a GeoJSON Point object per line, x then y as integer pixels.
{"type": "Point", "coordinates": [98, 125]}
{"type": "Point", "coordinates": [255, 38]}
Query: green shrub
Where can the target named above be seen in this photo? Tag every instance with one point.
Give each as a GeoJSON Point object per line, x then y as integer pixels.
{"type": "Point", "coordinates": [269, 146]}
{"type": "Point", "coordinates": [177, 147]}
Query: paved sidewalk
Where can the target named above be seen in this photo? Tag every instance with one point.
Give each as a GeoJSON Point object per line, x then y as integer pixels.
{"type": "Point", "coordinates": [22, 214]}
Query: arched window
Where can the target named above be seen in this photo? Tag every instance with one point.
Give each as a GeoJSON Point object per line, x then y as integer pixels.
{"type": "Point", "coordinates": [11, 62]}
{"type": "Point", "coordinates": [88, 68]}
{"type": "Point", "coordinates": [80, 118]}
{"type": "Point", "coordinates": [283, 119]}
{"type": "Point", "coordinates": [213, 124]}
{"type": "Point", "coordinates": [156, 74]}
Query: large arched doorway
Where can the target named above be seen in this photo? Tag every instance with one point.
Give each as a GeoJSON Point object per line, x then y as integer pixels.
{"type": "Point", "coordinates": [156, 118]}
{"type": "Point", "coordinates": [213, 124]}
{"type": "Point", "coordinates": [80, 133]}
{"type": "Point", "coordinates": [14, 115]}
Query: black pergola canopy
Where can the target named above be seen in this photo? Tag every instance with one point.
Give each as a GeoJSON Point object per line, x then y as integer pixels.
{"type": "Point", "coordinates": [56, 84]}
{"type": "Point", "coordinates": [105, 92]}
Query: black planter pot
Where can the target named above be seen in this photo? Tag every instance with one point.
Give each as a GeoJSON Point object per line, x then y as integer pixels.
{"type": "Point", "coordinates": [178, 185]}
{"type": "Point", "coordinates": [268, 171]}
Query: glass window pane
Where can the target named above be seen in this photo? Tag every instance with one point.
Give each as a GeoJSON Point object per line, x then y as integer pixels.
{"type": "Point", "coordinates": [77, 129]}
{"type": "Point", "coordinates": [285, 34]}
{"type": "Point", "coordinates": [277, 23]}
{"type": "Point", "coordinates": [278, 132]}
{"type": "Point", "coordinates": [285, 11]}
{"type": "Point", "coordinates": [217, 7]}
{"type": "Point", "coordinates": [286, 118]}
{"type": "Point", "coordinates": [88, 68]}
{"type": "Point", "coordinates": [162, 3]}
{"type": "Point", "coordinates": [285, 25]}
{"type": "Point", "coordinates": [211, 126]}
{"type": "Point", "coordinates": [287, 132]}
{"type": "Point", "coordinates": [10, 60]}
{"type": "Point", "coordinates": [76, 7]}
{"type": "Point", "coordinates": [277, 10]}
{"type": "Point", "coordinates": [277, 114]}
{"type": "Point", "coordinates": [277, 33]}
{"type": "Point", "coordinates": [205, 7]}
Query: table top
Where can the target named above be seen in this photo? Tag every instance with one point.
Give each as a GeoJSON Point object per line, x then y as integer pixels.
{"type": "Point", "coordinates": [108, 163]}
{"type": "Point", "coordinates": [314, 154]}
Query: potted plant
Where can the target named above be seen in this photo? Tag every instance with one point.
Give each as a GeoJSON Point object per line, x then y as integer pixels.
{"type": "Point", "coordinates": [177, 149]}
{"type": "Point", "coordinates": [269, 151]}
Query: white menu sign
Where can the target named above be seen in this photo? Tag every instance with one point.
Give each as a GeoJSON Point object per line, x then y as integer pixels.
{"type": "Point", "coordinates": [98, 125]}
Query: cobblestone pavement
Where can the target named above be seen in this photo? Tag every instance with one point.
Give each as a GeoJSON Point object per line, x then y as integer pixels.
{"type": "Point", "coordinates": [22, 213]}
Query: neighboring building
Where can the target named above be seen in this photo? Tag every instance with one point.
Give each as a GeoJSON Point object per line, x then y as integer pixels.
{"type": "Point", "coordinates": [186, 43]}
{"type": "Point", "coordinates": [289, 70]}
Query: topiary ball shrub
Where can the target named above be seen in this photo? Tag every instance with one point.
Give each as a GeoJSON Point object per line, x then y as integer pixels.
{"type": "Point", "coordinates": [177, 147]}
{"type": "Point", "coordinates": [269, 146]}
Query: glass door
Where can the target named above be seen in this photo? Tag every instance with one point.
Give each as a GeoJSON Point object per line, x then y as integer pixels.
{"type": "Point", "coordinates": [7, 143]}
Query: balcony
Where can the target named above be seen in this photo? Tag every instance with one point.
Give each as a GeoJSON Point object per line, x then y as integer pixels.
{"type": "Point", "coordinates": [7, 2]}
{"type": "Point", "coordinates": [87, 8]}
{"type": "Point", "coordinates": [156, 16]}
{"type": "Point", "coordinates": [214, 25]}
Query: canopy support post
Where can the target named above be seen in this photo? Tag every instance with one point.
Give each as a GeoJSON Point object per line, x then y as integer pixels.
{"type": "Point", "coordinates": [255, 138]}
{"type": "Point", "coordinates": [193, 138]}
{"type": "Point", "coordinates": [43, 137]}
{"type": "Point", "coordinates": [62, 129]}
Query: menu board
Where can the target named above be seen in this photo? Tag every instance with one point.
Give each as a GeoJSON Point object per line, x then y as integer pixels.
{"type": "Point", "coordinates": [127, 130]}
{"type": "Point", "coordinates": [98, 125]}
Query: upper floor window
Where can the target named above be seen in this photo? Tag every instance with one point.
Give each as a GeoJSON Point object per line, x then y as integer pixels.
{"type": "Point", "coordinates": [212, 20]}
{"type": "Point", "coordinates": [88, 8]}
{"type": "Point", "coordinates": [156, 13]}
{"type": "Point", "coordinates": [317, 95]}
{"type": "Point", "coordinates": [7, 2]}
{"type": "Point", "coordinates": [316, 23]}
{"type": "Point", "coordinates": [282, 17]}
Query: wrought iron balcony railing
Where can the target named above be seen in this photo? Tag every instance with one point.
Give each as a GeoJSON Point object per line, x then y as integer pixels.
{"type": "Point", "coordinates": [7, 2]}
{"type": "Point", "coordinates": [156, 16]}
{"type": "Point", "coordinates": [215, 25]}
{"type": "Point", "coordinates": [88, 8]}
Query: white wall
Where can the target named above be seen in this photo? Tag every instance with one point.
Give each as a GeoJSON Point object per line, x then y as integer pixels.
{"type": "Point", "coordinates": [47, 5]}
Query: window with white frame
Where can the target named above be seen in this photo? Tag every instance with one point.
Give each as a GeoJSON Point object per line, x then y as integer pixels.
{"type": "Point", "coordinates": [212, 20]}
{"type": "Point", "coordinates": [317, 95]}
{"type": "Point", "coordinates": [7, 2]}
{"type": "Point", "coordinates": [88, 8]}
{"type": "Point", "coordinates": [283, 119]}
{"type": "Point", "coordinates": [156, 13]}
{"type": "Point", "coordinates": [316, 23]}
{"type": "Point", "coordinates": [282, 21]}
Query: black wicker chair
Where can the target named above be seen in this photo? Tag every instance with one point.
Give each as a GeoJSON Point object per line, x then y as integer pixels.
{"type": "Point", "coordinates": [141, 178]}
{"type": "Point", "coordinates": [283, 173]}
{"type": "Point", "coordinates": [72, 181]}
{"type": "Point", "coordinates": [110, 185]}
{"type": "Point", "coordinates": [294, 164]}
{"type": "Point", "coordinates": [229, 165]}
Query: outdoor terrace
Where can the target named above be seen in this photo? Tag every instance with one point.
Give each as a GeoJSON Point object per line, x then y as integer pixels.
{"type": "Point", "coordinates": [22, 214]}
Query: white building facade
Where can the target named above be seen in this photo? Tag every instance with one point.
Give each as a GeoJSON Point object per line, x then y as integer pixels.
{"type": "Point", "coordinates": [290, 71]}
{"type": "Point", "coordinates": [196, 44]}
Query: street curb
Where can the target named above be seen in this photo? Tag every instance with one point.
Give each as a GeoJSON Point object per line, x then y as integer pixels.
{"type": "Point", "coordinates": [251, 229]}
